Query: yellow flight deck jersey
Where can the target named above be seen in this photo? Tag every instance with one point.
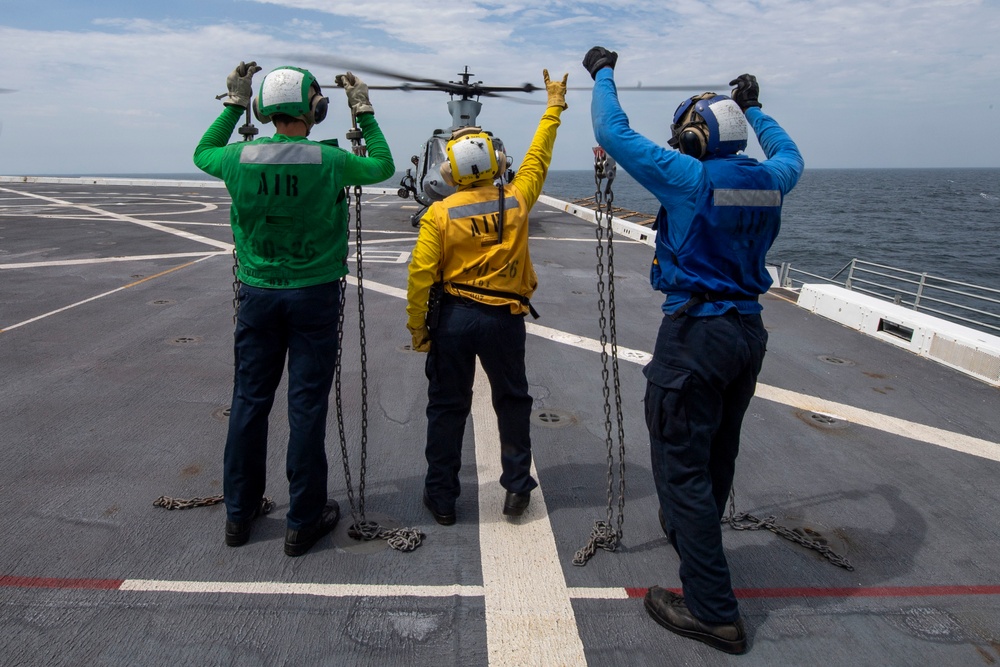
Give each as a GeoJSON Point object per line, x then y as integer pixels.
{"type": "Point", "coordinates": [457, 243]}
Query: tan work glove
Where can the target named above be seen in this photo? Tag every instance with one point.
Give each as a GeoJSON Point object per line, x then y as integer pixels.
{"type": "Point", "coordinates": [556, 90]}
{"type": "Point", "coordinates": [357, 93]}
{"type": "Point", "coordinates": [240, 85]}
{"type": "Point", "coordinates": [421, 339]}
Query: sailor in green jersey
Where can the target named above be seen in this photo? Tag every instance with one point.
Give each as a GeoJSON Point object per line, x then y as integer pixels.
{"type": "Point", "coordinates": [289, 218]}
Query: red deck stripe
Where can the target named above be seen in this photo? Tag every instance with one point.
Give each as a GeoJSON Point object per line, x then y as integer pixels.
{"type": "Point", "coordinates": [859, 592]}
{"type": "Point", "coordinates": [52, 582]}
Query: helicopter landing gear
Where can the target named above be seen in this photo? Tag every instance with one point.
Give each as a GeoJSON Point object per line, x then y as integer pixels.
{"type": "Point", "coordinates": [409, 183]}
{"type": "Point", "coordinates": [415, 218]}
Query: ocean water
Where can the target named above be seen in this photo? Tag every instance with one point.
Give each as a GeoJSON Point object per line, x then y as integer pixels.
{"type": "Point", "coordinates": [945, 222]}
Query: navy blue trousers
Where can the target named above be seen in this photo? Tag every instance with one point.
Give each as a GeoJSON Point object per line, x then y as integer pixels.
{"type": "Point", "coordinates": [467, 330]}
{"type": "Point", "coordinates": [699, 385]}
{"type": "Point", "coordinates": [301, 323]}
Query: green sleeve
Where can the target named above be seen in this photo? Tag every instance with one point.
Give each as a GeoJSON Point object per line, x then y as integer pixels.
{"type": "Point", "coordinates": [378, 165]}
{"type": "Point", "coordinates": [211, 149]}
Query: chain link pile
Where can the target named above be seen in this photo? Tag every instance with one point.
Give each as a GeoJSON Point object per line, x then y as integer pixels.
{"type": "Point", "coordinates": [168, 503]}
{"type": "Point", "coordinates": [747, 521]}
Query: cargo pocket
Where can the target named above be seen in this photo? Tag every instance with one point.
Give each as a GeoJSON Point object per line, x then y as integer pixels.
{"type": "Point", "coordinates": [666, 412]}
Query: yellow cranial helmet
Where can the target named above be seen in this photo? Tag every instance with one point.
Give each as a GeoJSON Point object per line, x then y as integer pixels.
{"type": "Point", "coordinates": [472, 157]}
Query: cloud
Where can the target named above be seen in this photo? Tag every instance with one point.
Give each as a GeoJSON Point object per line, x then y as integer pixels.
{"type": "Point", "coordinates": [857, 83]}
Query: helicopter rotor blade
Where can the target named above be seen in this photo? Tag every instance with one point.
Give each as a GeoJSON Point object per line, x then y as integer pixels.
{"type": "Point", "coordinates": [405, 87]}
{"type": "Point", "coordinates": [349, 65]}
{"type": "Point", "coordinates": [411, 82]}
{"type": "Point", "coordinates": [7, 90]}
{"type": "Point", "coordinates": [518, 100]}
{"type": "Point", "coordinates": [656, 88]}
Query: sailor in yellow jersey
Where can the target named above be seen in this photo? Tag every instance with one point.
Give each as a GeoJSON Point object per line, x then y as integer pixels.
{"type": "Point", "coordinates": [473, 248]}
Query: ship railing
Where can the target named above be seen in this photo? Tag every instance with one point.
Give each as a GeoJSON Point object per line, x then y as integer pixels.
{"type": "Point", "coordinates": [953, 300]}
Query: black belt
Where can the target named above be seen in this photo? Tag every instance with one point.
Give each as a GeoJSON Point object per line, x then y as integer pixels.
{"type": "Point", "coordinates": [523, 300]}
{"type": "Point", "coordinates": [707, 297]}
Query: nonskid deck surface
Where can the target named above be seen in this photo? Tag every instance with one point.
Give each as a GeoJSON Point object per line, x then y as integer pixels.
{"type": "Point", "coordinates": [115, 351]}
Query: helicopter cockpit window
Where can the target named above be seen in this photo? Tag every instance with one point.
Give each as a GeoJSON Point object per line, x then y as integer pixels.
{"type": "Point", "coordinates": [432, 184]}
{"type": "Point", "coordinates": [436, 153]}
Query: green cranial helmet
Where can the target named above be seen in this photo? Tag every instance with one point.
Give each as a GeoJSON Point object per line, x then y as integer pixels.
{"type": "Point", "coordinates": [293, 92]}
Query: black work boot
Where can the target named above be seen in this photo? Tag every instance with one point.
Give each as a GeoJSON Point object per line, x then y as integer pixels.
{"type": "Point", "coordinates": [514, 504]}
{"type": "Point", "coordinates": [443, 518]}
{"type": "Point", "coordinates": [669, 610]}
{"type": "Point", "coordinates": [297, 542]}
{"type": "Point", "coordinates": [238, 532]}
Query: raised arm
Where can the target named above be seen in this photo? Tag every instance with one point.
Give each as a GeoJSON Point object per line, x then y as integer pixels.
{"type": "Point", "coordinates": [531, 175]}
{"type": "Point", "coordinates": [377, 165]}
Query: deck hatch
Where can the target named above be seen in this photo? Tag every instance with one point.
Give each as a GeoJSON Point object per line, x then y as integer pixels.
{"type": "Point", "coordinates": [821, 420]}
{"type": "Point", "coordinates": [552, 418]}
{"type": "Point", "coordinates": [835, 361]}
{"type": "Point", "coordinates": [185, 340]}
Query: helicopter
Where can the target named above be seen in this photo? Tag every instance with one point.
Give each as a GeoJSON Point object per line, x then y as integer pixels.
{"type": "Point", "coordinates": [423, 181]}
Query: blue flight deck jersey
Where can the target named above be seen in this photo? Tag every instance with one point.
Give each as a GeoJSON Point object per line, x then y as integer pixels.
{"type": "Point", "coordinates": [718, 217]}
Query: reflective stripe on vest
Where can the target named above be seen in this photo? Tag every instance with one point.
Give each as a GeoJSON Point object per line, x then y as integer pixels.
{"type": "Point", "coordinates": [747, 198]}
{"type": "Point", "coordinates": [281, 154]}
{"type": "Point", "coordinates": [482, 208]}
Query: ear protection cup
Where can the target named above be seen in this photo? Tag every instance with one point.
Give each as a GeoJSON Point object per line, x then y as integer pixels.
{"type": "Point", "coordinates": [318, 105]}
{"type": "Point", "coordinates": [257, 112]}
{"type": "Point", "coordinates": [503, 162]}
{"type": "Point", "coordinates": [445, 170]}
{"type": "Point", "coordinates": [693, 141]}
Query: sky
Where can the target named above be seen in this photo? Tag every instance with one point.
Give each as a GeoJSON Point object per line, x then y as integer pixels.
{"type": "Point", "coordinates": [118, 86]}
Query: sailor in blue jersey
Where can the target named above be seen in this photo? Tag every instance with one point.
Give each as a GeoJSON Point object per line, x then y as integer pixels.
{"type": "Point", "coordinates": [720, 212]}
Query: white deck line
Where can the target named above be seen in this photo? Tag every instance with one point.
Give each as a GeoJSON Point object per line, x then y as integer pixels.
{"type": "Point", "coordinates": [285, 588]}
{"type": "Point", "coordinates": [106, 260]}
{"type": "Point", "coordinates": [228, 247]}
{"type": "Point", "coordinates": [346, 590]}
{"type": "Point", "coordinates": [894, 425]}
{"type": "Point", "coordinates": [529, 616]}
{"type": "Point", "coordinates": [907, 429]}
{"type": "Point", "coordinates": [102, 295]}
{"type": "Point", "coordinates": [146, 182]}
